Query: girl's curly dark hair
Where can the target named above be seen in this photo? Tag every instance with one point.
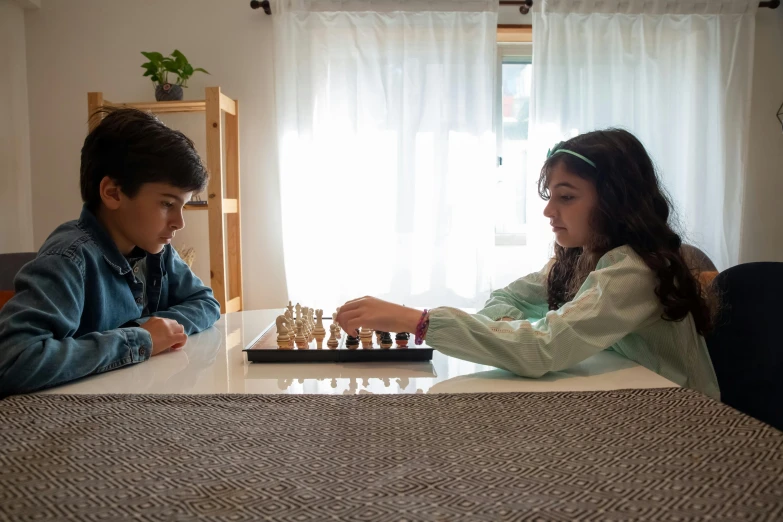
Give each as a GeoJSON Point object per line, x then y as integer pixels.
{"type": "Point", "coordinates": [633, 209]}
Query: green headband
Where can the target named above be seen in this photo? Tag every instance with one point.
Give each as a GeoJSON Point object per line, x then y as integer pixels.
{"type": "Point", "coordinates": [551, 152]}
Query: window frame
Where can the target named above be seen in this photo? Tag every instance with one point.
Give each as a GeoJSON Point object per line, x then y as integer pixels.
{"type": "Point", "coordinates": [507, 52]}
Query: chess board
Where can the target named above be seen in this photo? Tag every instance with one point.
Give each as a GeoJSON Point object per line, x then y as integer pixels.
{"type": "Point", "coordinates": [264, 349]}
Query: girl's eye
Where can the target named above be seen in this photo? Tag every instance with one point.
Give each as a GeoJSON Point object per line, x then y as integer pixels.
{"type": "Point", "coordinates": [566, 198]}
{"type": "Point", "coordinates": [168, 204]}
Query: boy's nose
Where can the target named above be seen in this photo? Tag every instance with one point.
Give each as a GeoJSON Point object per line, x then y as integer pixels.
{"type": "Point", "coordinates": [178, 223]}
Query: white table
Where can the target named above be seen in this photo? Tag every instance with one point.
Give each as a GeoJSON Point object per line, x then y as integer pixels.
{"type": "Point", "coordinates": [213, 362]}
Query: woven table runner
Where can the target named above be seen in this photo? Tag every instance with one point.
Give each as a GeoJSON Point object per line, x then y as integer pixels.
{"type": "Point", "coordinates": [660, 454]}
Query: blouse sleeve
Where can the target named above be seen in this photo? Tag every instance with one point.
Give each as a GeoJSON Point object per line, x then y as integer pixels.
{"type": "Point", "coordinates": [615, 300]}
{"type": "Point", "coordinates": [525, 298]}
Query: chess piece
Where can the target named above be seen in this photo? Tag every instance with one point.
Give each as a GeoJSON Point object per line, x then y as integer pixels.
{"type": "Point", "coordinates": [318, 332]}
{"type": "Point", "coordinates": [386, 340]}
{"type": "Point", "coordinates": [305, 323]}
{"type": "Point", "coordinates": [378, 336]}
{"type": "Point", "coordinates": [289, 317]}
{"type": "Point", "coordinates": [334, 319]}
{"type": "Point", "coordinates": [366, 336]}
{"type": "Point", "coordinates": [351, 342]}
{"type": "Point", "coordinates": [311, 317]}
{"type": "Point", "coordinates": [301, 340]}
{"type": "Point", "coordinates": [402, 339]}
{"type": "Point", "coordinates": [334, 330]}
{"type": "Point", "coordinates": [283, 337]}
{"type": "Point", "coordinates": [310, 322]}
{"type": "Point", "coordinates": [290, 308]}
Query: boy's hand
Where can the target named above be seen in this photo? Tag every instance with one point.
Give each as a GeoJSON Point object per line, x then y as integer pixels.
{"type": "Point", "coordinates": [165, 333]}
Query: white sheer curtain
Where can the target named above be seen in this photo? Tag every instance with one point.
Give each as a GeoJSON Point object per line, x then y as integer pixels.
{"type": "Point", "coordinates": [387, 149]}
{"type": "Point", "coordinates": [675, 73]}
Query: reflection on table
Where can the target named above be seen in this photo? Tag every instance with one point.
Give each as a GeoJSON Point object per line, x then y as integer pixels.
{"type": "Point", "coordinates": [213, 362]}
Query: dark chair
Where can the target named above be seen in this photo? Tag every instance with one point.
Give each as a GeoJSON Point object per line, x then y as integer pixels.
{"type": "Point", "coordinates": [10, 265]}
{"type": "Point", "coordinates": [746, 346]}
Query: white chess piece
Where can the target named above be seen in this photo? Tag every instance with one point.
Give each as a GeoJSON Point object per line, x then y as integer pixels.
{"type": "Point", "coordinates": [318, 331]}
{"type": "Point", "coordinates": [302, 316]}
{"type": "Point", "coordinates": [308, 329]}
{"type": "Point", "coordinates": [301, 340]}
{"type": "Point", "coordinates": [366, 337]}
{"type": "Point", "coordinates": [283, 337]}
{"type": "Point", "coordinates": [333, 333]}
{"type": "Point", "coordinates": [290, 308]}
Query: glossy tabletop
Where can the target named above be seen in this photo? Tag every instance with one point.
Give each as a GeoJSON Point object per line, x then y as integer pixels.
{"type": "Point", "coordinates": [213, 362]}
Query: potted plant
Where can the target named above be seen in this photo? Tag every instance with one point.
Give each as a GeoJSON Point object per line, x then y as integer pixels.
{"type": "Point", "coordinates": [158, 68]}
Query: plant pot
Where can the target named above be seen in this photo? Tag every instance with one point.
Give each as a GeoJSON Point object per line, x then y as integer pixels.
{"type": "Point", "coordinates": [168, 92]}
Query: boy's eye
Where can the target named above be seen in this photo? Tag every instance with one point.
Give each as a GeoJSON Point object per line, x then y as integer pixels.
{"type": "Point", "coordinates": [168, 204]}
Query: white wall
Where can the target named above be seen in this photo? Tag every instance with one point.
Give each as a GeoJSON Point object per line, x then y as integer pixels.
{"type": "Point", "coordinates": [16, 219]}
{"type": "Point", "coordinates": [76, 46]}
{"type": "Point", "coordinates": [762, 238]}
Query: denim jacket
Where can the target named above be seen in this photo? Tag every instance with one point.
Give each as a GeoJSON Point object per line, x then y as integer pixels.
{"type": "Point", "coordinates": [78, 307]}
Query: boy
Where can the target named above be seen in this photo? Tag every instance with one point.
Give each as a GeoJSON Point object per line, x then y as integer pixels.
{"type": "Point", "coordinates": [108, 290]}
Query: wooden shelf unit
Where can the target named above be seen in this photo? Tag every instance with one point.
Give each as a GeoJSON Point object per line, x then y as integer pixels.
{"type": "Point", "coordinates": [225, 244]}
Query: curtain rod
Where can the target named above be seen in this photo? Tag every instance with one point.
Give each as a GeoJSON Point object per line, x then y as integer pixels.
{"type": "Point", "coordinates": [524, 5]}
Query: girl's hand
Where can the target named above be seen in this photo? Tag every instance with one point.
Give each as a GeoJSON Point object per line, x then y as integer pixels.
{"type": "Point", "coordinates": [378, 315]}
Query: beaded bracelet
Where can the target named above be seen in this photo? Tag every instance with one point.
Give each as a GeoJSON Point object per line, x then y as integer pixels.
{"type": "Point", "coordinates": [424, 322]}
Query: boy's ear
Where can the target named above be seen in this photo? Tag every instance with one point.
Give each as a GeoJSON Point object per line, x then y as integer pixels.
{"type": "Point", "coordinates": [110, 193]}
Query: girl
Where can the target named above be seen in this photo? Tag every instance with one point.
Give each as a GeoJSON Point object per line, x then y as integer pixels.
{"type": "Point", "coordinates": [618, 279]}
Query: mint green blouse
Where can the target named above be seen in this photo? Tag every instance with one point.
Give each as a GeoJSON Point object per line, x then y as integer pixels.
{"type": "Point", "coordinates": [615, 308]}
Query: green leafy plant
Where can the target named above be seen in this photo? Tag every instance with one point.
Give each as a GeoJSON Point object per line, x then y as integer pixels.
{"type": "Point", "coordinates": [158, 68]}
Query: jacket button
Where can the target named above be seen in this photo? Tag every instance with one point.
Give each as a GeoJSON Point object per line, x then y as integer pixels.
{"type": "Point", "coordinates": [138, 300]}
{"type": "Point", "coordinates": [142, 351]}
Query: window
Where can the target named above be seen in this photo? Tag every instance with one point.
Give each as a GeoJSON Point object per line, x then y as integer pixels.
{"type": "Point", "coordinates": [513, 113]}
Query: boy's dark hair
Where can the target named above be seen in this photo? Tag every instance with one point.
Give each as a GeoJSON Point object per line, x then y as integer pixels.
{"type": "Point", "coordinates": [133, 147]}
{"type": "Point", "coordinates": [632, 209]}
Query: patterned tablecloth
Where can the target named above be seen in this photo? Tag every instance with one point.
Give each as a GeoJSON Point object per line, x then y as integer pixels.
{"type": "Point", "coordinates": [661, 454]}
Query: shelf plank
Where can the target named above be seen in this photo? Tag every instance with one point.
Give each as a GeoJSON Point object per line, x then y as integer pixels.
{"type": "Point", "coordinates": [230, 206]}
{"type": "Point", "coordinates": [165, 106]}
